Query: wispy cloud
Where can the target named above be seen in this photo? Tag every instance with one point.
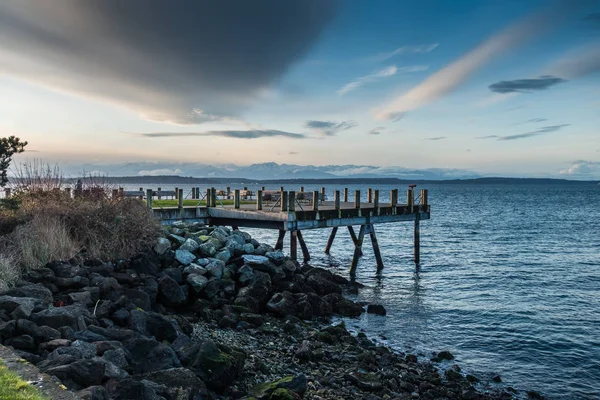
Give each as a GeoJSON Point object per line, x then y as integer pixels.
{"type": "Point", "coordinates": [329, 128]}
{"type": "Point", "coordinates": [533, 120]}
{"type": "Point", "coordinates": [376, 131]}
{"type": "Point", "coordinates": [487, 137]}
{"type": "Point", "coordinates": [379, 75]}
{"type": "Point", "coordinates": [436, 138]}
{"type": "Point", "coordinates": [454, 75]}
{"type": "Point", "coordinates": [525, 85]}
{"type": "Point", "coordinates": [580, 62]}
{"type": "Point", "coordinates": [515, 108]}
{"type": "Point", "coordinates": [425, 48]}
{"type": "Point", "coordinates": [246, 134]}
{"type": "Point", "coordinates": [537, 132]}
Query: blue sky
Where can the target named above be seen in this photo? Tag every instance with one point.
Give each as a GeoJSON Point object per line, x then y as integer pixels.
{"type": "Point", "coordinates": [499, 88]}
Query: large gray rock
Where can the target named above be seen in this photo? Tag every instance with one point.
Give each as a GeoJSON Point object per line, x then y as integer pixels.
{"type": "Point", "coordinates": [21, 307]}
{"type": "Point", "coordinates": [189, 245]}
{"type": "Point", "coordinates": [256, 260]}
{"type": "Point", "coordinates": [162, 245]}
{"type": "Point", "coordinates": [207, 249]}
{"type": "Point", "coordinates": [224, 255]}
{"type": "Point", "coordinates": [37, 291]}
{"type": "Point", "coordinates": [148, 355]}
{"type": "Point", "coordinates": [197, 282]}
{"type": "Point", "coordinates": [282, 304]}
{"type": "Point", "coordinates": [236, 238]}
{"type": "Point", "coordinates": [170, 293]}
{"type": "Point", "coordinates": [246, 275]}
{"type": "Point", "coordinates": [248, 248]}
{"type": "Point", "coordinates": [263, 249]}
{"type": "Point", "coordinates": [220, 234]}
{"type": "Point", "coordinates": [194, 269]}
{"type": "Point", "coordinates": [57, 317]}
{"type": "Point", "coordinates": [184, 256]}
{"type": "Point", "coordinates": [83, 372]}
{"type": "Point", "coordinates": [176, 239]}
{"type": "Point", "coordinates": [215, 268]}
{"type": "Point", "coordinates": [218, 367]}
{"type": "Point", "coordinates": [276, 256]}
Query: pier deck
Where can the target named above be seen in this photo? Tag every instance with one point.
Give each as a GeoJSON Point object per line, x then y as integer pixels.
{"type": "Point", "coordinates": [285, 212]}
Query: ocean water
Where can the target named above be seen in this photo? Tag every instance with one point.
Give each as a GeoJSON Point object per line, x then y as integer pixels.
{"type": "Point", "coordinates": [509, 281]}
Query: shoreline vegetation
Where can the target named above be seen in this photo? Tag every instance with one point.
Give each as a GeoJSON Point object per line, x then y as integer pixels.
{"type": "Point", "coordinates": [204, 312]}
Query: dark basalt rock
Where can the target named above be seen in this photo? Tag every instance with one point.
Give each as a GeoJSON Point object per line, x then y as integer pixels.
{"type": "Point", "coordinates": [218, 366]}
{"type": "Point", "coordinates": [148, 355]}
{"type": "Point", "coordinates": [376, 309]}
{"type": "Point", "coordinates": [57, 317]}
{"type": "Point", "coordinates": [170, 293]}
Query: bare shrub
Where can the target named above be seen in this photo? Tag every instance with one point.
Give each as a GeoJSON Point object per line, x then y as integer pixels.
{"type": "Point", "coordinates": [36, 176]}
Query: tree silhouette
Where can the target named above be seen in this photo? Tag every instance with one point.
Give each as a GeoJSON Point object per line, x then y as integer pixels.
{"type": "Point", "coordinates": [8, 147]}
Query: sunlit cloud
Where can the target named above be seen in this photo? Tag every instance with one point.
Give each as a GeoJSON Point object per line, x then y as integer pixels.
{"type": "Point", "coordinates": [379, 75]}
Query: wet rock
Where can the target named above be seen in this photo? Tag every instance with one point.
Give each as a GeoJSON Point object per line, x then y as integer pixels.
{"type": "Point", "coordinates": [295, 384]}
{"type": "Point", "coordinates": [178, 378]}
{"type": "Point", "coordinates": [138, 298]}
{"type": "Point", "coordinates": [197, 282]}
{"type": "Point", "coordinates": [282, 304]}
{"type": "Point", "coordinates": [162, 245]}
{"type": "Point", "coordinates": [105, 284]}
{"type": "Point", "coordinates": [245, 275]}
{"type": "Point", "coordinates": [218, 367]}
{"type": "Point", "coordinates": [170, 293]}
{"type": "Point", "coordinates": [194, 269]}
{"type": "Point", "coordinates": [154, 324]}
{"type": "Point", "coordinates": [207, 249]}
{"type": "Point", "coordinates": [37, 291]}
{"type": "Point", "coordinates": [82, 298]}
{"type": "Point", "coordinates": [22, 342]}
{"type": "Point", "coordinates": [497, 378]}
{"type": "Point", "coordinates": [275, 256]}
{"type": "Point", "coordinates": [215, 269]}
{"type": "Point", "coordinates": [444, 355]}
{"type": "Point", "coordinates": [10, 304]}
{"type": "Point", "coordinates": [148, 355]}
{"type": "Point", "coordinates": [176, 239]}
{"type": "Point", "coordinates": [93, 393]}
{"type": "Point", "coordinates": [262, 249]}
{"type": "Point", "coordinates": [343, 306]}
{"type": "Point", "coordinates": [175, 274]}
{"type": "Point", "coordinates": [184, 257]}
{"type": "Point", "coordinates": [224, 255]}
{"type": "Point", "coordinates": [189, 245]}
{"type": "Point", "coordinates": [376, 309]}
{"type": "Point", "coordinates": [57, 317]}
{"type": "Point", "coordinates": [82, 373]}
{"type": "Point", "coordinates": [322, 285]}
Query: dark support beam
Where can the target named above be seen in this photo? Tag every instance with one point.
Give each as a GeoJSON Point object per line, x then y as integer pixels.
{"type": "Point", "coordinates": [357, 249]}
{"type": "Point", "coordinates": [294, 245]}
{"type": "Point", "coordinates": [417, 241]}
{"type": "Point", "coordinates": [279, 244]}
{"type": "Point", "coordinates": [353, 236]}
{"type": "Point", "coordinates": [330, 241]}
{"type": "Point", "coordinates": [305, 253]}
{"type": "Point", "coordinates": [375, 244]}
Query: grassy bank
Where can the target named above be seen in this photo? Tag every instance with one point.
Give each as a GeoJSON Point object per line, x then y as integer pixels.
{"type": "Point", "coordinates": [12, 387]}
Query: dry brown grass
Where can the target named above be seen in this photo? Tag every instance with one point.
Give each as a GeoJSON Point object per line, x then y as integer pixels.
{"type": "Point", "coordinates": [56, 227]}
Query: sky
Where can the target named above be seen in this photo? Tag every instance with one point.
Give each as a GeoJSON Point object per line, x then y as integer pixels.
{"type": "Point", "coordinates": [502, 88]}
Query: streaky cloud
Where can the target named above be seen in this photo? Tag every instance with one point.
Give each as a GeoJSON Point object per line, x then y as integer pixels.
{"type": "Point", "coordinates": [415, 49]}
{"type": "Point", "coordinates": [436, 138]}
{"type": "Point", "coordinates": [537, 132]}
{"type": "Point", "coordinates": [487, 137]}
{"type": "Point", "coordinates": [379, 75]}
{"type": "Point", "coordinates": [236, 134]}
{"type": "Point", "coordinates": [377, 130]}
{"type": "Point", "coordinates": [329, 128]}
{"type": "Point", "coordinates": [454, 75]}
{"type": "Point", "coordinates": [580, 62]}
{"type": "Point", "coordinates": [525, 85]}
{"type": "Point", "coordinates": [532, 120]}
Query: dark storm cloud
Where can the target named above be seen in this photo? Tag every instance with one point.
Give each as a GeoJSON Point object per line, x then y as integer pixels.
{"type": "Point", "coordinates": [525, 85]}
{"type": "Point", "coordinates": [185, 61]}
{"type": "Point", "coordinates": [249, 134]}
{"type": "Point", "coordinates": [329, 128]}
{"type": "Point", "coordinates": [537, 132]}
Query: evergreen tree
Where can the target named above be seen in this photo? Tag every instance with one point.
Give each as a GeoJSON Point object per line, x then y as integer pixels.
{"type": "Point", "coordinates": [8, 147]}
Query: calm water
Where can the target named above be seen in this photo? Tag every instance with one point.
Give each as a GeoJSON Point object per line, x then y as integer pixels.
{"type": "Point", "coordinates": [509, 282]}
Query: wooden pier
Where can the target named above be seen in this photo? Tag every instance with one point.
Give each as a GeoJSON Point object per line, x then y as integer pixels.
{"type": "Point", "coordinates": [293, 212]}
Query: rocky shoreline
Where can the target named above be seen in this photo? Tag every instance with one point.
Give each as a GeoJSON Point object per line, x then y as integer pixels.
{"type": "Point", "coordinates": [210, 313]}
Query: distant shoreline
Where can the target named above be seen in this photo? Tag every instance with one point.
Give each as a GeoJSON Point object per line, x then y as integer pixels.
{"type": "Point", "coordinates": [205, 180]}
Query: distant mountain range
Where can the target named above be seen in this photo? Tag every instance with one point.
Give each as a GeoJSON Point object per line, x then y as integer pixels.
{"type": "Point", "coordinates": [270, 170]}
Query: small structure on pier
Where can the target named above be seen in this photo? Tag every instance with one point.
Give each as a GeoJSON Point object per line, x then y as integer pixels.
{"type": "Point", "coordinates": [293, 212]}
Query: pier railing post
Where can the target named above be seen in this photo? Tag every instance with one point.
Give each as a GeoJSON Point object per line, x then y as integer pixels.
{"type": "Point", "coordinates": [176, 192]}
{"type": "Point", "coordinates": [357, 199]}
{"type": "Point", "coordinates": [180, 199]}
{"type": "Point", "coordinates": [394, 200]}
{"type": "Point", "coordinates": [370, 195]}
{"type": "Point", "coordinates": [141, 193]}
{"type": "Point", "coordinates": [283, 200]}
{"type": "Point", "coordinates": [208, 198]}
{"type": "Point", "coordinates": [323, 193]}
{"type": "Point", "coordinates": [376, 202]}
{"type": "Point", "coordinates": [149, 198]}
{"type": "Point", "coordinates": [410, 199]}
{"type": "Point", "coordinates": [315, 201]}
{"type": "Point", "coordinates": [213, 197]}
{"type": "Point", "coordinates": [345, 195]}
{"type": "Point", "coordinates": [259, 194]}
{"type": "Point", "coordinates": [228, 194]}
{"type": "Point", "coordinates": [336, 200]}
{"type": "Point", "coordinates": [291, 200]}
{"type": "Point", "coordinates": [236, 198]}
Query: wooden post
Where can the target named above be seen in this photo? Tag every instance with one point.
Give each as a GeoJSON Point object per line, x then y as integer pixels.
{"type": "Point", "coordinates": [357, 250]}
{"type": "Point", "coordinates": [394, 197]}
{"type": "Point", "coordinates": [294, 245]}
{"type": "Point", "coordinates": [410, 199]}
{"type": "Point", "coordinates": [262, 188]}
{"type": "Point", "coordinates": [345, 195]}
{"type": "Point", "coordinates": [292, 200]}
{"type": "Point", "coordinates": [301, 189]}
{"type": "Point", "coordinates": [336, 200]}
{"type": "Point", "coordinates": [236, 198]}
{"type": "Point", "coordinates": [315, 201]}
{"type": "Point", "coordinates": [176, 192]}
{"type": "Point", "coordinates": [208, 198]}
{"type": "Point", "coordinates": [357, 199]}
{"type": "Point", "coordinates": [279, 244]}
{"type": "Point", "coordinates": [323, 193]}
{"type": "Point", "coordinates": [305, 253]}
{"type": "Point", "coordinates": [354, 238]}
{"type": "Point", "coordinates": [213, 197]}
{"type": "Point", "coordinates": [149, 198]}
{"type": "Point", "coordinates": [417, 248]}
{"type": "Point", "coordinates": [370, 195]}
{"type": "Point", "coordinates": [259, 199]}
{"type": "Point", "coordinates": [331, 237]}
{"type": "Point", "coordinates": [424, 199]}
{"type": "Point", "coordinates": [158, 190]}
{"type": "Point", "coordinates": [228, 192]}
{"type": "Point", "coordinates": [283, 200]}
{"type": "Point", "coordinates": [376, 202]}
{"type": "Point", "coordinates": [375, 245]}
{"type": "Point", "coordinates": [281, 188]}
{"type": "Point", "coordinates": [142, 193]}
{"type": "Point", "coordinates": [180, 199]}
{"type": "Point", "coordinates": [197, 193]}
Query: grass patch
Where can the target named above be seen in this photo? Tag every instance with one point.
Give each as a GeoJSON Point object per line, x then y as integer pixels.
{"type": "Point", "coordinates": [12, 387]}
{"type": "Point", "coordinates": [195, 203]}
